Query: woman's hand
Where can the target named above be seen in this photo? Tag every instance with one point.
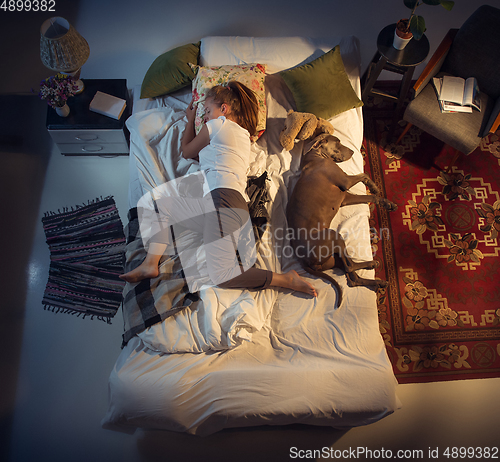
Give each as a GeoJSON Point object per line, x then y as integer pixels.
{"type": "Point", "coordinates": [191, 111]}
{"type": "Point", "coordinates": [192, 144]}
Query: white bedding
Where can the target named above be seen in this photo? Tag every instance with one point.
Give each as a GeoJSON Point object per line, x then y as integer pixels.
{"type": "Point", "coordinates": [255, 357]}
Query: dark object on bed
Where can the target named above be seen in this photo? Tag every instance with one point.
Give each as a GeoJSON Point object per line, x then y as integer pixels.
{"type": "Point", "coordinates": [259, 196]}
{"type": "Point", "coordinates": [86, 246]}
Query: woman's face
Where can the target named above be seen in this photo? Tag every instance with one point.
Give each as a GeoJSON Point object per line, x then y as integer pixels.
{"type": "Point", "coordinates": [213, 110]}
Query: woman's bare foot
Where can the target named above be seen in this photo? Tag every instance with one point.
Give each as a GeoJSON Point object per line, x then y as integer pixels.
{"type": "Point", "coordinates": [143, 271]}
{"type": "Point", "coordinates": [291, 280]}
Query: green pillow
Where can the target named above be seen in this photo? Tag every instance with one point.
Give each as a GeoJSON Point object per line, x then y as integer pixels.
{"type": "Point", "coordinates": [322, 86]}
{"type": "Point", "coordinates": [170, 71]}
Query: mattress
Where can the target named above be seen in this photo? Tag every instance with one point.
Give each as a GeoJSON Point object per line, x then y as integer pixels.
{"type": "Point", "coordinates": [269, 357]}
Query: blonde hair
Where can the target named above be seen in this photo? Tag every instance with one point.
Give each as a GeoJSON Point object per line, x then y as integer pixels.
{"type": "Point", "coordinates": [242, 102]}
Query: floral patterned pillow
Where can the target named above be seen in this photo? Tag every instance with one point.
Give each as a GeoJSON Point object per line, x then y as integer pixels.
{"type": "Point", "coordinates": [251, 75]}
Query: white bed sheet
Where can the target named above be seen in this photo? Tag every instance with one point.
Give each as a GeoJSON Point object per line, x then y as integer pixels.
{"type": "Point", "coordinates": [255, 357]}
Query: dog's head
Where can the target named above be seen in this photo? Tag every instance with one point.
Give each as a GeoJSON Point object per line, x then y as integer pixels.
{"type": "Point", "coordinates": [326, 145]}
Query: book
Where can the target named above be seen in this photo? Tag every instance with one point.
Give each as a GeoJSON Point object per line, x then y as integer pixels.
{"type": "Point", "coordinates": [456, 94]}
{"type": "Point", "coordinates": [108, 105]}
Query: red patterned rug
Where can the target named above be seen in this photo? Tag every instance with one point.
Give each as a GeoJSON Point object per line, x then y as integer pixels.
{"type": "Point", "coordinates": [440, 252]}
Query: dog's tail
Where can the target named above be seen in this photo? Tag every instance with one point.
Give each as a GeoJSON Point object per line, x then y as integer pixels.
{"type": "Point", "coordinates": [327, 277]}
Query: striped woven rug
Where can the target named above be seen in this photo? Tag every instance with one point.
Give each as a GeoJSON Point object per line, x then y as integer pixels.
{"type": "Point", "coordinates": [86, 246]}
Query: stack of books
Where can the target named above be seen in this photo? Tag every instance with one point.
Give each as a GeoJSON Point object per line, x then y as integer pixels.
{"type": "Point", "coordinates": [456, 94]}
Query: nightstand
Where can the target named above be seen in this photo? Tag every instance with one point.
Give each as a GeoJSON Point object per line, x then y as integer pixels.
{"type": "Point", "coordinates": [86, 133]}
{"type": "Point", "coordinates": [402, 62]}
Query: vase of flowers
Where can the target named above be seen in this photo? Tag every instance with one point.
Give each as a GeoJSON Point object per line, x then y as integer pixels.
{"type": "Point", "coordinates": [414, 27]}
{"type": "Point", "coordinates": [56, 90]}
{"type": "Point", "coordinates": [62, 111]}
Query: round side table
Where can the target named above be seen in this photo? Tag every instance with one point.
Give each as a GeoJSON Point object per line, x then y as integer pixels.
{"type": "Point", "coordinates": [399, 61]}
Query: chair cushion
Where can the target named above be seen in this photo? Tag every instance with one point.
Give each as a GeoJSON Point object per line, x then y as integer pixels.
{"type": "Point", "coordinates": [459, 130]}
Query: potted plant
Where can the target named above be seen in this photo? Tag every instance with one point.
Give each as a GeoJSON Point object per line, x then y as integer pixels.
{"type": "Point", "coordinates": [415, 25]}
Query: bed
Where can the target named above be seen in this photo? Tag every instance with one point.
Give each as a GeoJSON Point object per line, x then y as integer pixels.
{"type": "Point", "coordinates": [225, 358]}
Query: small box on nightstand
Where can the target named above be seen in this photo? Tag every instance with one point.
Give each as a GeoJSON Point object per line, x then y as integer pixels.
{"type": "Point", "coordinates": [87, 133]}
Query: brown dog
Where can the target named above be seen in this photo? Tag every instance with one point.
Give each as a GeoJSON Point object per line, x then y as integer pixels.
{"type": "Point", "coordinates": [318, 194]}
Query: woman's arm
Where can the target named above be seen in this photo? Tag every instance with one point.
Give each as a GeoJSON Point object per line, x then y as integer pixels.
{"type": "Point", "coordinates": [191, 143]}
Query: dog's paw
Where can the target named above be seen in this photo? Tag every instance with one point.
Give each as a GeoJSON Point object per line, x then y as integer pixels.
{"type": "Point", "coordinates": [388, 205]}
{"type": "Point", "coordinates": [381, 284]}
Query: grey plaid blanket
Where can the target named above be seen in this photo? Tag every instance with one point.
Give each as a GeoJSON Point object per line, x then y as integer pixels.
{"type": "Point", "coordinates": [152, 300]}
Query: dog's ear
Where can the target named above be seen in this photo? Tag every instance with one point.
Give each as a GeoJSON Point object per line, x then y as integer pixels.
{"type": "Point", "coordinates": [337, 151]}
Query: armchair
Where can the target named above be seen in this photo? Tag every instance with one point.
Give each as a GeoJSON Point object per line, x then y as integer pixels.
{"type": "Point", "coordinates": [472, 50]}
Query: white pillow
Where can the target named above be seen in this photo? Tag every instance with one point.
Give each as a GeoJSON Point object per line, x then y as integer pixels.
{"type": "Point", "coordinates": [279, 53]}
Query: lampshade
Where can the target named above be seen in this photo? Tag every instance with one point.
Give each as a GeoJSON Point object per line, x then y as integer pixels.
{"type": "Point", "coordinates": [62, 48]}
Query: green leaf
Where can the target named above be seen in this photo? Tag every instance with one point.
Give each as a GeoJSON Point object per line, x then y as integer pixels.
{"type": "Point", "coordinates": [447, 4]}
{"type": "Point", "coordinates": [417, 27]}
{"type": "Point", "coordinates": [410, 3]}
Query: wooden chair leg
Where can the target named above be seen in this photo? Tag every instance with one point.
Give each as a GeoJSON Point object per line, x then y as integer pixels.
{"type": "Point", "coordinates": [405, 131]}
{"type": "Point", "coordinates": [456, 155]}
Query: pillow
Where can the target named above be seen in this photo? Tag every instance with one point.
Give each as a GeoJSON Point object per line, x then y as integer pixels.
{"type": "Point", "coordinates": [170, 71]}
{"type": "Point", "coordinates": [279, 53]}
{"type": "Point", "coordinates": [251, 75]}
{"type": "Point", "coordinates": [322, 86]}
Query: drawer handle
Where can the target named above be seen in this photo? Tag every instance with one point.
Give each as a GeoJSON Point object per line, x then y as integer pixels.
{"type": "Point", "coordinates": [92, 148]}
{"type": "Point", "coordinates": [86, 137]}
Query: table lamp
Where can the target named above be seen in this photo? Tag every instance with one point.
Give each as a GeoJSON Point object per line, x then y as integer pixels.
{"type": "Point", "coordinates": [63, 49]}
